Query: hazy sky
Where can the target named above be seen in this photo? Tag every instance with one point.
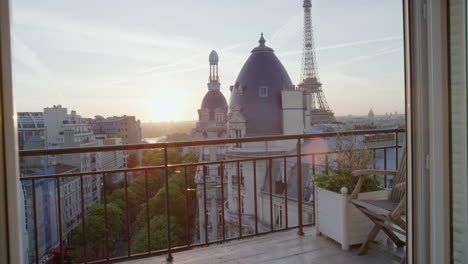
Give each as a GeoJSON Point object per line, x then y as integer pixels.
{"type": "Point", "coordinates": [149, 58]}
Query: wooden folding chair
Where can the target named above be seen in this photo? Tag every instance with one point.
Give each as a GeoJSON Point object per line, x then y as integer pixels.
{"type": "Point", "coordinates": [388, 215]}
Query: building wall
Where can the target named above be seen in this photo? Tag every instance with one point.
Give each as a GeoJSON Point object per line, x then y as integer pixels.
{"type": "Point", "coordinates": [53, 120]}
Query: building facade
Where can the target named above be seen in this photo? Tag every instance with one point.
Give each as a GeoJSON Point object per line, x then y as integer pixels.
{"type": "Point", "coordinates": [212, 124]}
{"type": "Point", "coordinates": [263, 102]}
{"type": "Point", "coordinates": [127, 128]}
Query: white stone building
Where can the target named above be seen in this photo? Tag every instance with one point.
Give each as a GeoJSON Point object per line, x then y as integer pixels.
{"type": "Point", "coordinates": [264, 102]}
{"type": "Point", "coordinates": [211, 125]}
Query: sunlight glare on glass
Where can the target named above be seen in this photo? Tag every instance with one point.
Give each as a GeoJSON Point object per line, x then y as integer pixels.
{"type": "Point", "coordinates": [316, 145]}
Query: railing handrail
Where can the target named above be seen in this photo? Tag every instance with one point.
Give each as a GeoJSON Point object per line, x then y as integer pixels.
{"type": "Point", "coordinates": [174, 144]}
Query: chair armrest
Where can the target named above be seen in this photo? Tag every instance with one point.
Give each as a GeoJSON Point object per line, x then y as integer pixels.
{"type": "Point", "coordinates": [373, 172]}
{"type": "Point", "coordinates": [400, 186]}
{"type": "Point", "coordinates": [361, 174]}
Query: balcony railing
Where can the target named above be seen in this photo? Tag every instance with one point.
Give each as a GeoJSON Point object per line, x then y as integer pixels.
{"type": "Point", "coordinates": [299, 156]}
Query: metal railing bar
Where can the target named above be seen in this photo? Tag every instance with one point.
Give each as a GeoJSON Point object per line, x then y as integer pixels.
{"type": "Point", "coordinates": [83, 219]}
{"type": "Point", "coordinates": [270, 169]}
{"type": "Point", "coordinates": [205, 209]}
{"type": "Point", "coordinates": [255, 195]}
{"type": "Point", "coordinates": [59, 208]}
{"type": "Point", "coordinates": [326, 164]}
{"type": "Point", "coordinates": [285, 192]}
{"type": "Point", "coordinates": [129, 253]}
{"type": "Point", "coordinates": [187, 228]}
{"type": "Point", "coordinates": [106, 224]}
{"type": "Point", "coordinates": [222, 200]}
{"type": "Point", "coordinates": [54, 176]}
{"type": "Point", "coordinates": [396, 150]}
{"type": "Point", "coordinates": [176, 144]}
{"type": "Point", "coordinates": [168, 212]}
{"type": "Point", "coordinates": [299, 187]}
{"type": "Point", "coordinates": [375, 158]}
{"type": "Point", "coordinates": [385, 167]}
{"type": "Point", "coordinates": [147, 212]}
{"type": "Point", "coordinates": [36, 237]}
{"type": "Point", "coordinates": [239, 203]}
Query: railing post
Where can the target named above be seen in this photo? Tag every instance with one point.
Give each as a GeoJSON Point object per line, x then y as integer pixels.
{"type": "Point", "coordinates": [222, 200]}
{"type": "Point", "coordinates": [104, 191]}
{"type": "Point", "coordinates": [36, 246]}
{"type": "Point", "coordinates": [239, 200]}
{"type": "Point", "coordinates": [187, 228]}
{"type": "Point", "coordinates": [270, 168]}
{"type": "Point", "coordinates": [396, 150]}
{"type": "Point", "coordinates": [385, 166]}
{"type": "Point", "coordinates": [129, 250]}
{"type": "Point", "coordinates": [255, 195]}
{"type": "Point", "coordinates": [147, 213]}
{"type": "Point", "coordinates": [285, 193]}
{"type": "Point", "coordinates": [299, 188]}
{"type": "Point", "coordinates": [205, 209]}
{"type": "Point", "coordinates": [83, 220]}
{"type": "Point", "coordinates": [168, 215]}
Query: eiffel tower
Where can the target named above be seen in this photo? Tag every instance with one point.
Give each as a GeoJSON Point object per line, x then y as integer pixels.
{"type": "Point", "coordinates": [310, 83]}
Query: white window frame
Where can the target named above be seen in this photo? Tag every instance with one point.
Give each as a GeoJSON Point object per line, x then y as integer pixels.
{"type": "Point", "coordinates": [263, 91]}
{"type": "Point", "coordinates": [11, 202]}
{"type": "Point", "coordinates": [426, 60]}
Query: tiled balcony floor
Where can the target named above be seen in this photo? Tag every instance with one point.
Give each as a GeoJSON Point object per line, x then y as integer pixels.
{"type": "Point", "coordinates": [281, 247]}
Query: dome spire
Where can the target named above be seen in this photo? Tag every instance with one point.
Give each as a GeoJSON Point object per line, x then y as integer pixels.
{"type": "Point", "coordinates": [262, 46]}
{"type": "Point", "coordinates": [262, 41]}
{"type": "Point", "coordinates": [214, 59]}
{"type": "Point", "coordinates": [213, 81]}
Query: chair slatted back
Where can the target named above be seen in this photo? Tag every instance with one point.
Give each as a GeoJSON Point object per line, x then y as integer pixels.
{"type": "Point", "coordinates": [397, 195]}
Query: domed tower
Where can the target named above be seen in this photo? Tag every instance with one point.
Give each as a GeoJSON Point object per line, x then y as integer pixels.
{"type": "Point", "coordinates": [214, 107]}
{"type": "Point", "coordinates": [263, 102]}
{"type": "Point", "coordinates": [257, 92]}
{"type": "Point", "coordinates": [211, 124]}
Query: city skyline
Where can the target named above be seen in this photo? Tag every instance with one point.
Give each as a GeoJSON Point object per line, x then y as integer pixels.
{"type": "Point", "coordinates": [88, 61]}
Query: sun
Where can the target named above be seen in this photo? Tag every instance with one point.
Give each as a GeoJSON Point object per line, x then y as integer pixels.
{"type": "Point", "coordinates": [166, 106]}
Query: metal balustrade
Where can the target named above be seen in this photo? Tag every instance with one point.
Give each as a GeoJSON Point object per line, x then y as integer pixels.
{"type": "Point", "coordinates": [188, 169]}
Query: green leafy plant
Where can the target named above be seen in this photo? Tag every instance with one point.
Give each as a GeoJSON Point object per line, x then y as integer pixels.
{"type": "Point", "coordinates": [350, 156]}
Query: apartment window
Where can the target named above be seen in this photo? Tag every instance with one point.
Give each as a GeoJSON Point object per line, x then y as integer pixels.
{"type": "Point", "coordinates": [263, 91]}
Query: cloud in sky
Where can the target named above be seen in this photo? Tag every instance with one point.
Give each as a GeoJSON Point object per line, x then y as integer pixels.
{"type": "Point", "coordinates": [90, 60]}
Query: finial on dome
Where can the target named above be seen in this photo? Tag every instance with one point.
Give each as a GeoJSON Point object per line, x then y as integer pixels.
{"type": "Point", "coordinates": [262, 47]}
{"type": "Point", "coordinates": [262, 41]}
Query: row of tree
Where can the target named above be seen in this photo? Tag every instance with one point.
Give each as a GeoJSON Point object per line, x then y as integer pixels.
{"type": "Point", "coordinates": [129, 207]}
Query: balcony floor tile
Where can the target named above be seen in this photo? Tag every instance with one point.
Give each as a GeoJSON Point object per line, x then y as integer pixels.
{"type": "Point", "coordinates": [281, 247]}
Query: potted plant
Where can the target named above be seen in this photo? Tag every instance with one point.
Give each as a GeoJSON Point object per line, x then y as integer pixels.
{"type": "Point", "coordinates": [336, 217]}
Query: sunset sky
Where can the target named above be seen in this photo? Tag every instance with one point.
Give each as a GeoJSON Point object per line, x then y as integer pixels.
{"type": "Point", "coordinates": [149, 58]}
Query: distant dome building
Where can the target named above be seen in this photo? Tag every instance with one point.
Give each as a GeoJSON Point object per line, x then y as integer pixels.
{"type": "Point", "coordinates": [371, 115]}
{"type": "Point", "coordinates": [263, 102]}
{"type": "Point", "coordinates": [212, 122]}
{"type": "Point", "coordinates": [257, 92]}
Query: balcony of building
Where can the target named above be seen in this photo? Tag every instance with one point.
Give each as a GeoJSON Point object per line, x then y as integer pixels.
{"type": "Point", "coordinates": [253, 233]}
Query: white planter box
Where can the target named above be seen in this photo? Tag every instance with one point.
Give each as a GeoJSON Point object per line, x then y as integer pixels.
{"type": "Point", "coordinates": [340, 220]}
